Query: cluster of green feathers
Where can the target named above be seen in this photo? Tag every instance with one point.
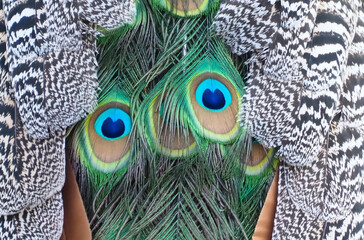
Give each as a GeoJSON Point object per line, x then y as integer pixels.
{"type": "Point", "coordinates": [170, 175]}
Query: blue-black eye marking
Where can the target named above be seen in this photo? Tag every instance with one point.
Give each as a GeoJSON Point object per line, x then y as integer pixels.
{"type": "Point", "coordinates": [213, 100]}
{"type": "Point", "coordinates": [113, 124]}
{"type": "Point", "coordinates": [213, 95]}
{"type": "Point", "coordinates": [113, 129]}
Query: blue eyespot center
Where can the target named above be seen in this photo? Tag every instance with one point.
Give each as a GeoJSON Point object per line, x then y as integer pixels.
{"type": "Point", "coordinates": [213, 100]}
{"type": "Point", "coordinates": [213, 95]}
{"type": "Point", "coordinates": [113, 124]}
{"type": "Point", "coordinates": [113, 129]}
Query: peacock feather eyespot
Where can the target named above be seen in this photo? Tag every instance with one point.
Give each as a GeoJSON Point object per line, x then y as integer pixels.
{"type": "Point", "coordinates": [105, 145]}
{"type": "Point", "coordinates": [186, 8]}
{"type": "Point", "coordinates": [260, 158]}
{"type": "Point", "coordinates": [213, 104]}
{"type": "Point", "coordinates": [261, 162]}
{"type": "Point", "coordinates": [165, 135]}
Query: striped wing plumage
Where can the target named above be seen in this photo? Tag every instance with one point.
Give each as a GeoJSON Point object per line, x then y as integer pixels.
{"type": "Point", "coordinates": [306, 96]}
{"type": "Point", "coordinates": [48, 80]}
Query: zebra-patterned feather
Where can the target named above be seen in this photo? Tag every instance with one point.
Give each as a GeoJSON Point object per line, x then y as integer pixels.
{"type": "Point", "coordinates": [306, 96]}
{"type": "Point", "coordinates": [51, 54]}
{"type": "Point", "coordinates": [48, 80]}
{"type": "Point", "coordinates": [31, 172]}
{"type": "Point", "coordinates": [308, 73]}
{"type": "Point", "coordinates": [42, 222]}
{"type": "Point", "coordinates": [247, 25]}
{"type": "Point", "coordinates": [342, 191]}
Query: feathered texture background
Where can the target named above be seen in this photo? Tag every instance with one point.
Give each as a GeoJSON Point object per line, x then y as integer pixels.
{"type": "Point", "coordinates": [162, 156]}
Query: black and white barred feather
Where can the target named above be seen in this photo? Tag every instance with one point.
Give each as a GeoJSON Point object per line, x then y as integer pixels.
{"type": "Point", "coordinates": [32, 171]}
{"type": "Point", "coordinates": [52, 60]}
{"type": "Point", "coordinates": [47, 82]}
{"type": "Point", "coordinates": [306, 96]}
{"type": "Point", "coordinates": [42, 222]}
{"type": "Point", "coordinates": [255, 24]}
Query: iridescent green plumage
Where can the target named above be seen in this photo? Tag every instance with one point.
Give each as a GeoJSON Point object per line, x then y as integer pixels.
{"type": "Point", "coordinates": [185, 177]}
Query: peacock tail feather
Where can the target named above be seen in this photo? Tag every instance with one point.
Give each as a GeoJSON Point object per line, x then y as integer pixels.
{"type": "Point", "coordinates": [163, 156]}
